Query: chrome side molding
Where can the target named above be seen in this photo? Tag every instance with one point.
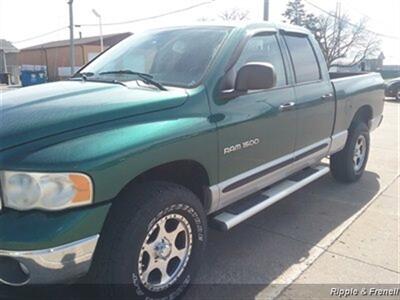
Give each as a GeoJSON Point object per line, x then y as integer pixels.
{"type": "Point", "coordinates": [338, 142]}
{"type": "Point", "coordinates": [252, 181]}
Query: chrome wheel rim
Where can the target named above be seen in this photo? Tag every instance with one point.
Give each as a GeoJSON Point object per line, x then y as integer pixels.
{"type": "Point", "coordinates": [360, 151]}
{"type": "Point", "coordinates": [165, 252]}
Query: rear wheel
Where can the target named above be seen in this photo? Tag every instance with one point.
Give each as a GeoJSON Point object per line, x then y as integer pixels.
{"type": "Point", "coordinates": [348, 165]}
{"type": "Point", "coordinates": [398, 94]}
{"type": "Point", "coordinates": [153, 242]}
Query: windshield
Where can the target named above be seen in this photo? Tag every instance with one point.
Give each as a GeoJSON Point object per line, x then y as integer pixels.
{"type": "Point", "coordinates": [177, 57]}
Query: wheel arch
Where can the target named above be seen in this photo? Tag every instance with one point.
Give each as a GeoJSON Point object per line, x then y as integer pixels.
{"type": "Point", "coordinates": [188, 173]}
{"type": "Point", "coordinates": [363, 114]}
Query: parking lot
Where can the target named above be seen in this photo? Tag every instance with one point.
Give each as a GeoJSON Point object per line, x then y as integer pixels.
{"type": "Point", "coordinates": [322, 236]}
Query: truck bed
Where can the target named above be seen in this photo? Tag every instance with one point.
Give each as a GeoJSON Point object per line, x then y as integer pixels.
{"type": "Point", "coordinates": [336, 75]}
{"type": "Point", "coordinates": [354, 90]}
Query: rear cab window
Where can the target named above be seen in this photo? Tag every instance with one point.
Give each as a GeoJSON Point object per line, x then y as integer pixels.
{"type": "Point", "coordinates": [304, 61]}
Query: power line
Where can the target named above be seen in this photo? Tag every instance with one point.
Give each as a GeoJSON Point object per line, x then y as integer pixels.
{"type": "Point", "coordinates": [152, 17]}
{"type": "Point", "coordinates": [350, 23]}
{"type": "Point", "coordinates": [119, 23]}
{"type": "Point", "coordinates": [357, 11]}
{"type": "Point", "coordinates": [41, 35]}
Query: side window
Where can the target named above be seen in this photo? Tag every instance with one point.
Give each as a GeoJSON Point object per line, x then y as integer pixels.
{"type": "Point", "coordinates": [305, 63]}
{"type": "Point", "coordinates": [264, 48]}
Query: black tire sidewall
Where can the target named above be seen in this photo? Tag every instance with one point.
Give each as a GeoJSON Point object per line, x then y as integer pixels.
{"type": "Point", "coordinates": [128, 249]}
{"type": "Point", "coordinates": [358, 129]}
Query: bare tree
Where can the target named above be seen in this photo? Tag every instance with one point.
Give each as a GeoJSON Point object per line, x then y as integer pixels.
{"type": "Point", "coordinates": [337, 36]}
{"type": "Point", "coordinates": [234, 14]}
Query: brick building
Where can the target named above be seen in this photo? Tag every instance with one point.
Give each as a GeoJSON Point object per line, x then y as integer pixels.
{"type": "Point", "coordinates": [54, 56]}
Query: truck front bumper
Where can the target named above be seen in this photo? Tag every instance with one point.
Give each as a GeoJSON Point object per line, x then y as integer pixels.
{"type": "Point", "coordinates": [58, 264]}
{"type": "Point", "coordinates": [38, 247]}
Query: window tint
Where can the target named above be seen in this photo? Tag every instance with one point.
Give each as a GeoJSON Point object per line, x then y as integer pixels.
{"type": "Point", "coordinates": [264, 49]}
{"type": "Point", "coordinates": [303, 57]}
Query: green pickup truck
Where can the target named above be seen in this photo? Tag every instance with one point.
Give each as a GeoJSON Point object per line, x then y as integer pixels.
{"type": "Point", "coordinates": [115, 174]}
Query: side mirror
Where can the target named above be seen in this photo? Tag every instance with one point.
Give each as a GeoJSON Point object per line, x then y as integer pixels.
{"type": "Point", "coordinates": [255, 76]}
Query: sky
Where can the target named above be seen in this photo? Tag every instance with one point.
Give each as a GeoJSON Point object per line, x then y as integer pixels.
{"type": "Point", "coordinates": [21, 20]}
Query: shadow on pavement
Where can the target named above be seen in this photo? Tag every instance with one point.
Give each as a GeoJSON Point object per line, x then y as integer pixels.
{"type": "Point", "coordinates": [242, 262]}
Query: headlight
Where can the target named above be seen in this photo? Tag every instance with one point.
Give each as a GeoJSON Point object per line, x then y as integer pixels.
{"type": "Point", "coordinates": [47, 191]}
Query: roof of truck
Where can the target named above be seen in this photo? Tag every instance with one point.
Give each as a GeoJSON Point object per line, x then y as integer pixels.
{"type": "Point", "coordinates": [246, 26]}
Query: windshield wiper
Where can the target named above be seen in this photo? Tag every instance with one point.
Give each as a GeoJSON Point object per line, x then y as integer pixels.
{"type": "Point", "coordinates": [147, 78]}
{"type": "Point", "coordinates": [83, 75]}
{"type": "Point", "coordinates": [85, 78]}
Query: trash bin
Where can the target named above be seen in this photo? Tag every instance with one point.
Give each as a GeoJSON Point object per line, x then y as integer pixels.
{"type": "Point", "coordinates": [5, 78]}
{"type": "Point", "coordinates": [29, 77]}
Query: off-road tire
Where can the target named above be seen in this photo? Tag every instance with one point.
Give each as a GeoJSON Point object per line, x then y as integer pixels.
{"type": "Point", "coordinates": [341, 163]}
{"type": "Point", "coordinates": [127, 226]}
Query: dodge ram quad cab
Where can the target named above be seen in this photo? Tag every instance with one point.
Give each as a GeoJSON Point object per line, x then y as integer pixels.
{"type": "Point", "coordinates": [115, 173]}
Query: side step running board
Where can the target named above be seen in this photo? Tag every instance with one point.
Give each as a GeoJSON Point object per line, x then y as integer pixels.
{"type": "Point", "coordinates": [248, 207]}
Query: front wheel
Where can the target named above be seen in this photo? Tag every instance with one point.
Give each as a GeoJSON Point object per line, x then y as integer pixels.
{"type": "Point", "coordinates": [398, 94]}
{"type": "Point", "coordinates": [154, 241]}
{"type": "Point", "coordinates": [348, 165]}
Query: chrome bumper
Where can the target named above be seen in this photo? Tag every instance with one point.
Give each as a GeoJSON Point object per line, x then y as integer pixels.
{"type": "Point", "coordinates": [375, 123]}
{"type": "Point", "coordinates": [52, 265]}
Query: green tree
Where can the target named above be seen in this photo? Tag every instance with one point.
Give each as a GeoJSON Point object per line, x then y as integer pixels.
{"type": "Point", "coordinates": [296, 14]}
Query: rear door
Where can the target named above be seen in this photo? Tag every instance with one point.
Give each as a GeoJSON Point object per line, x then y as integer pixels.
{"type": "Point", "coordinates": [315, 102]}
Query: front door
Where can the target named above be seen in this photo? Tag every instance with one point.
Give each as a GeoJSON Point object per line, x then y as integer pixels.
{"type": "Point", "coordinates": [257, 129]}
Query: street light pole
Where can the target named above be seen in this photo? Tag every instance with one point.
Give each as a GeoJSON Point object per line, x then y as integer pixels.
{"type": "Point", "coordinates": [71, 37]}
{"type": "Point", "coordinates": [266, 10]}
{"type": "Point", "coordinates": [101, 29]}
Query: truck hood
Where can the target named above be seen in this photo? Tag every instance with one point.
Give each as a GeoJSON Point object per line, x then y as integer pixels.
{"type": "Point", "coordinates": [36, 112]}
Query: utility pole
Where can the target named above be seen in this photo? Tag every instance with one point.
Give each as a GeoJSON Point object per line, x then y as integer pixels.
{"type": "Point", "coordinates": [266, 10]}
{"type": "Point", "coordinates": [337, 24]}
{"type": "Point", "coordinates": [340, 23]}
{"type": "Point", "coordinates": [71, 37]}
{"type": "Point", "coordinates": [4, 61]}
{"type": "Point", "coordinates": [101, 29]}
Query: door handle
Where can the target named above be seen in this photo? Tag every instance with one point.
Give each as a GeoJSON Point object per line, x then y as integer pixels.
{"type": "Point", "coordinates": [286, 106]}
{"type": "Point", "coordinates": [327, 96]}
